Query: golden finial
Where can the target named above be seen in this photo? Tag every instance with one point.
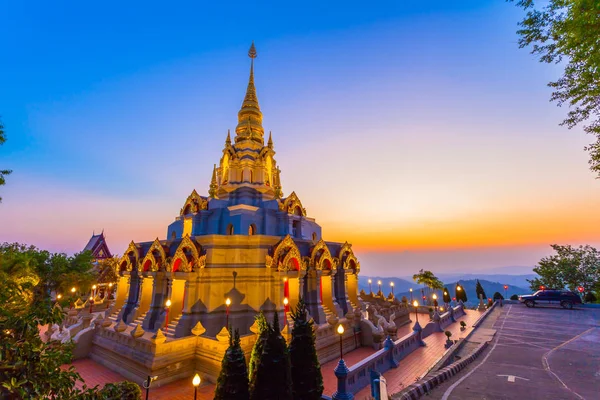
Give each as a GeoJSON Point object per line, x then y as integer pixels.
{"type": "Point", "coordinates": [228, 140]}
{"type": "Point", "coordinates": [252, 51]}
{"type": "Point", "coordinates": [250, 115]}
{"type": "Point", "coordinates": [270, 142]}
{"type": "Point", "coordinates": [212, 192]}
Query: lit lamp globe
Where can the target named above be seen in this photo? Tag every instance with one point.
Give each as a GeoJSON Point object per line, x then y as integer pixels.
{"type": "Point", "coordinates": [228, 302]}
{"type": "Point", "coordinates": [168, 303]}
{"type": "Point", "coordinates": [94, 287]}
{"type": "Point", "coordinates": [59, 296]}
{"type": "Point", "coordinates": [434, 296]}
{"type": "Point", "coordinates": [110, 285]}
{"type": "Point", "coordinates": [415, 304]}
{"type": "Point", "coordinates": [72, 290]}
{"type": "Point", "coordinates": [196, 381]}
{"type": "Point", "coordinates": [285, 301]}
{"type": "Point", "coordinates": [340, 329]}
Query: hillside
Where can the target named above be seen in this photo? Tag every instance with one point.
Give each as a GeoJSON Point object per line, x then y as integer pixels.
{"type": "Point", "coordinates": [402, 287]}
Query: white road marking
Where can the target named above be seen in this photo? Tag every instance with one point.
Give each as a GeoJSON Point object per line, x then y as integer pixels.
{"type": "Point", "coordinates": [458, 382]}
{"type": "Point", "coordinates": [547, 366]}
{"type": "Point", "coordinates": [511, 378]}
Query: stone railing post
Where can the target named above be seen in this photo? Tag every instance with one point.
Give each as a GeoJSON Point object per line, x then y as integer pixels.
{"type": "Point", "coordinates": [389, 346]}
{"type": "Point", "coordinates": [436, 321]}
{"type": "Point", "coordinates": [417, 328]}
{"type": "Point", "coordinates": [341, 372]}
{"type": "Point", "coordinates": [451, 311]}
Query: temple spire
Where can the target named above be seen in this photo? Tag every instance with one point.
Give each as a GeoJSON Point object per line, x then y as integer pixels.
{"type": "Point", "coordinates": [249, 117]}
{"type": "Point", "coordinates": [228, 140]}
{"type": "Point", "coordinates": [270, 142]}
{"type": "Point", "coordinates": [212, 191]}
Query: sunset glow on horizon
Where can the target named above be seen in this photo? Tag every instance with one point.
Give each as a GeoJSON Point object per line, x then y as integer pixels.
{"type": "Point", "coordinates": [422, 129]}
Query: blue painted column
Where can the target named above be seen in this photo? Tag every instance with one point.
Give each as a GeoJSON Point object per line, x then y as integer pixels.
{"type": "Point", "coordinates": [417, 328]}
{"type": "Point", "coordinates": [341, 372]}
{"type": "Point", "coordinates": [388, 344]}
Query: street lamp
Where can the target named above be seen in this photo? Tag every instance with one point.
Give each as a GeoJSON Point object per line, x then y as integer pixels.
{"type": "Point", "coordinates": [379, 283]}
{"type": "Point", "coordinates": [370, 291]}
{"type": "Point", "coordinates": [167, 306]}
{"type": "Point", "coordinates": [410, 290]}
{"type": "Point", "coordinates": [196, 383]}
{"type": "Point", "coordinates": [59, 296]}
{"type": "Point", "coordinates": [416, 305]}
{"type": "Point", "coordinates": [94, 290]}
{"type": "Point", "coordinates": [91, 303]}
{"type": "Point", "coordinates": [340, 331]}
{"type": "Point", "coordinates": [435, 303]}
{"type": "Point", "coordinates": [285, 307]}
{"type": "Point", "coordinates": [227, 304]}
{"type": "Point", "coordinates": [505, 291]}
{"type": "Point", "coordinates": [392, 285]}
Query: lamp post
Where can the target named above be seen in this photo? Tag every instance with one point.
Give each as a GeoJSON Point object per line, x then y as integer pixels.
{"type": "Point", "coordinates": [370, 291]}
{"type": "Point", "coordinates": [72, 295]}
{"type": "Point", "coordinates": [392, 285]}
{"type": "Point", "coordinates": [416, 305]}
{"type": "Point", "coordinates": [411, 298]}
{"type": "Point", "coordinates": [196, 383]}
{"type": "Point", "coordinates": [340, 331]}
{"type": "Point", "coordinates": [445, 297]}
{"type": "Point", "coordinates": [227, 304]}
{"type": "Point", "coordinates": [285, 308]}
{"type": "Point", "coordinates": [458, 290]}
{"type": "Point", "coordinates": [435, 303]}
{"type": "Point", "coordinates": [94, 290]}
{"type": "Point", "coordinates": [167, 306]}
{"type": "Point", "coordinates": [505, 291]}
{"type": "Point", "coordinates": [379, 283]}
{"type": "Point", "coordinates": [91, 303]}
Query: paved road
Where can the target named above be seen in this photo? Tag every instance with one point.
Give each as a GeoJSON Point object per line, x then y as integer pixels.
{"type": "Point", "coordinates": [537, 353]}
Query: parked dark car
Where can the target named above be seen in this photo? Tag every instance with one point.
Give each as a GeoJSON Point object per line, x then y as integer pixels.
{"type": "Point", "coordinates": [565, 298]}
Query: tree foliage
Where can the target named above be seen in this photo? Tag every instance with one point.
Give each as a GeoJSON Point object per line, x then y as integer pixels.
{"type": "Point", "coordinates": [460, 294]}
{"type": "Point", "coordinates": [569, 268]}
{"type": "Point", "coordinates": [567, 32]}
{"type": "Point", "coordinates": [306, 370]}
{"type": "Point", "coordinates": [479, 290]}
{"type": "Point", "coordinates": [257, 350]}
{"type": "Point", "coordinates": [428, 279]}
{"type": "Point", "coordinates": [446, 295]}
{"type": "Point", "coordinates": [272, 379]}
{"type": "Point", "coordinates": [497, 296]}
{"type": "Point", "coordinates": [232, 383]}
{"type": "Point", "coordinates": [29, 367]}
{"type": "Point", "coordinates": [3, 172]}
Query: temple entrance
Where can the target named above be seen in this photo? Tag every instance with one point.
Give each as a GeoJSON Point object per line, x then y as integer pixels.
{"type": "Point", "coordinates": [327, 292]}
{"type": "Point", "coordinates": [177, 298]}
{"type": "Point", "coordinates": [122, 292]}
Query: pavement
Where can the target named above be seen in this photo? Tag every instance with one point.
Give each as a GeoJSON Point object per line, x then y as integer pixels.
{"type": "Point", "coordinates": [536, 353]}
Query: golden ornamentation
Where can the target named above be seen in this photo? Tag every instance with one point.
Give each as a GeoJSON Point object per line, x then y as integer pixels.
{"type": "Point", "coordinates": [155, 262]}
{"type": "Point", "coordinates": [212, 191]}
{"type": "Point", "coordinates": [198, 329]}
{"type": "Point", "coordinates": [201, 263]}
{"type": "Point", "coordinates": [187, 252]}
{"type": "Point", "coordinates": [137, 332]}
{"type": "Point", "coordinates": [250, 117]}
{"type": "Point", "coordinates": [131, 257]}
{"type": "Point", "coordinates": [285, 251]}
{"type": "Point", "coordinates": [193, 204]}
{"type": "Point", "coordinates": [319, 254]}
{"type": "Point", "coordinates": [291, 204]}
{"type": "Point", "coordinates": [348, 259]}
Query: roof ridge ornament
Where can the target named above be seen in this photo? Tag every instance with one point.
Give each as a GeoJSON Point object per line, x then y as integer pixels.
{"type": "Point", "coordinates": [250, 117]}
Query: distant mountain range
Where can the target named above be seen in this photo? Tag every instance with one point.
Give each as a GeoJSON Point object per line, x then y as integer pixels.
{"type": "Point", "coordinates": [517, 284]}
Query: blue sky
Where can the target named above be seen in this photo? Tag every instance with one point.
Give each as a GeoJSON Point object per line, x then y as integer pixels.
{"type": "Point", "coordinates": [421, 124]}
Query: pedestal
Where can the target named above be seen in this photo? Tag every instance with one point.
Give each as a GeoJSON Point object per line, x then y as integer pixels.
{"type": "Point", "coordinates": [341, 372]}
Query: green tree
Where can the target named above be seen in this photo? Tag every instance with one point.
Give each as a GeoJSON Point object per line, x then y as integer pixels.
{"type": "Point", "coordinates": [570, 267]}
{"type": "Point", "coordinates": [29, 367]}
{"type": "Point", "coordinates": [566, 32]}
{"type": "Point", "coordinates": [479, 290]}
{"type": "Point", "coordinates": [429, 280]}
{"type": "Point", "coordinates": [514, 297]}
{"type": "Point", "coordinates": [498, 296]}
{"type": "Point", "coordinates": [273, 380]}
{"type": "Point", "coordinates": [3, 172]}
{"type": "Point", "coordinates": [107, 270]}
{"type": "Point", "coordinates": [259, 345]}
{"type": "Point", "coordinates": [446, 296]}
{"type": "Point", "coordinates": [306, 370]}
{"type": "Point", "coordinates": [232, 383]}
{"type": "Point", "coordinates": [460, 293]}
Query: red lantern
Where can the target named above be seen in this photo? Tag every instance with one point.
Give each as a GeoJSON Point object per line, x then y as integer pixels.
{"type": "Point", "coordinates": [581, 289]}
{"type": "Point", "coordinates": [542, 287]}
{"type": "Point", "coordinates": [454, 299]}
{"type": "Point", "coordinates": [505, 287]}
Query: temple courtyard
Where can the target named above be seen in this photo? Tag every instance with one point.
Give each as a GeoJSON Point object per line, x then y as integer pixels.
{"type": "Point", "coordinates": [411, 368]}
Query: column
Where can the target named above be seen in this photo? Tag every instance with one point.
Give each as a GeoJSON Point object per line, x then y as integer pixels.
{"type": "Point", "coordinates": [312, 290]}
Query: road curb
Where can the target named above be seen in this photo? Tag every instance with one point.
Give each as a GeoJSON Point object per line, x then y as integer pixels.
{"type": "Point", "coordinates": [415, 391]}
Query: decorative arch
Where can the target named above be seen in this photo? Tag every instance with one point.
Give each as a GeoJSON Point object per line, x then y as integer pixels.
{"type": "Point", "coordinates": [193, 204]}
{"type": "Point", "coordinates": [286, 256]}
{"type": "Point", "coordinates": [154, 258]}
{"type": "Point", "coordinates": [252, 230]}
{"type": "Point", "coordinates": [186, 256]}
{"type": "Point", "coordinates": [321, 256]}
{"type": "Point", "coordinates": [348, 259]}
{"type": "Point", "coordinates": [130, 259]}
{"type": "Point", "coordinates": [292, 205]}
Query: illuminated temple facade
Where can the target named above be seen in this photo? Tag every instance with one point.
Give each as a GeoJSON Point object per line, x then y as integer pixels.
{"type": "Point", "coordinates": [245, 241]}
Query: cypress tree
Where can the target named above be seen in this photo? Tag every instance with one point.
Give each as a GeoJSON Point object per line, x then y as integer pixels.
{"type": "Point", "coordinates": [272, 379]}
{"type": "Point", "coordinates": [306, 370]}
{"type": "Point", "coordinates": [233, 379]}
{"type": "Point", "coordinates": [263, 333]}
{"type": "Point", "coordinates": [479, 290]}
{"type": "Point", "coordinates": [446, 295]}
{"type": "Point", "coordinates": [460, 294]}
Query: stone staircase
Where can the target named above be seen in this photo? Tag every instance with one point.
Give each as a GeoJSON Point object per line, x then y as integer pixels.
{"type": "Point", "coordinates": [169, 331]}
{"type": "Point", "coordinates": [113, 317]}
{"type": "Point", "coordinates": [139, 320]}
